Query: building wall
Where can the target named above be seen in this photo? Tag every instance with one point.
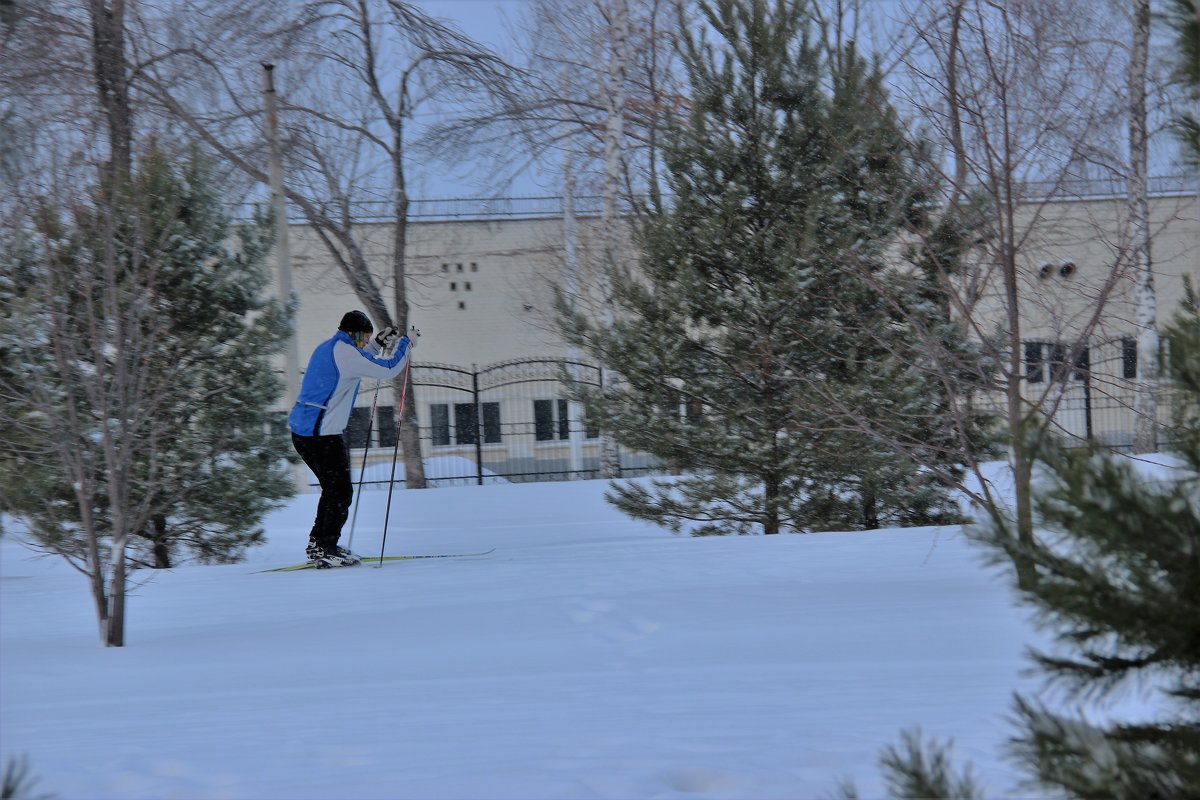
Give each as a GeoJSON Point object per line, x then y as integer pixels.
{"type": "Point", "coordinates": [1092, 237]}
{"type": "Point", "coordinates": [479, 290]}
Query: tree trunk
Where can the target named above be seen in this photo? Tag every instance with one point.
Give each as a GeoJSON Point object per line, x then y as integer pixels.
{"type": "Point", "coordinates": [1145, 403]}
{"type": "Point", "coordinates": [115, 632]}
{"type": "Point", "coordinates": [870, 508]}
{"type": "Point", "coordinates": [161, 546]}
{"type": "Point", "coordinates": [410, 431]}
{"type": "Point", "coordinates": [1022, 468]}
{"type": "Point", "coordinates": [772, 500]}
{"type": "Point", "coordinates": [614, 131]}
{"type": "Point", "coordinates": [112, 86]}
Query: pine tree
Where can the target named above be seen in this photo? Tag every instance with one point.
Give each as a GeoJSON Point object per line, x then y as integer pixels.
{"type": "Point", "coordinates": [201, 460]}
{"type": "Point", "coordinates": [1118, 568]}
{"type": "Point", "coordinates": [753, 295]}
{"type": "Point", "coordinates": [1118, 564]}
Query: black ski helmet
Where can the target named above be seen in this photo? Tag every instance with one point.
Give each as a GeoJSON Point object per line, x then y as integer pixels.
{"type": "Point", "coordinates": [356, 322]}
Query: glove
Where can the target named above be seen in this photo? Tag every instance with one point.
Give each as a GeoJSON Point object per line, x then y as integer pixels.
{"type": "Point", "coordinates": [413, 336]}
{"type": "Point", "coordinates": [387, 337]}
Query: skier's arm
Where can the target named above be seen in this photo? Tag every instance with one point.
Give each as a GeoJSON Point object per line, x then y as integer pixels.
{"type": "Point", "coordinates": [362, 364]}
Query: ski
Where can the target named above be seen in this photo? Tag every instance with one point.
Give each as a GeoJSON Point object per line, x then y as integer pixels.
{"type": "Point", "coordinates": [376, 560]}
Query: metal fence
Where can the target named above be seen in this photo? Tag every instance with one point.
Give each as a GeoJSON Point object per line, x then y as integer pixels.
{"type": "Point", "coordinates": [509, 422]}
{"type": "Point", "coordinates": [1087, 390]}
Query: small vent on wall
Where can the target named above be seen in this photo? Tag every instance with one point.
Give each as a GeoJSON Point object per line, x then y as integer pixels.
{"type": "Point", "coordinates": [1065, 270]}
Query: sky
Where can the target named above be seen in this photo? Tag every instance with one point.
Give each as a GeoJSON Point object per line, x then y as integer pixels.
{"type": "Point", "coordinates": [589, 656]}
{"type": "Point", "coordinates": [488, 22]}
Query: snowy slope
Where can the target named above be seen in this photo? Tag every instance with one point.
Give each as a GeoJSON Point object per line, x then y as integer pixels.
{"type": "Point", "coordinates": [588, 657]}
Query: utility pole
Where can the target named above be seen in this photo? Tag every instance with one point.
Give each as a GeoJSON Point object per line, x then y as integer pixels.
{"type": "Point", "coordinates": [283, 253]}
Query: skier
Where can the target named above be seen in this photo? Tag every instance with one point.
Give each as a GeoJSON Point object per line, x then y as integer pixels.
{"type": "Point", "coordinates": [321, 413]}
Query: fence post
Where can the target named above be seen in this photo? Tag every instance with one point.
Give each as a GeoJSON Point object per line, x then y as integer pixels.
{"type": "Point", "coordinates": [478, 424]}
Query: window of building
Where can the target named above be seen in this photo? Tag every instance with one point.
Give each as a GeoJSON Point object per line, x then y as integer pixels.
{"type": "Point", "coordinates": [1050, 361]}
{"type": "Point", "coordinates": [1129, 358]}
{"type": "Point", "coordinates": [550, 420]}
{"type": "Point", "coordinates": [1083, 365]}
{"type": "Point", "coordinates": [1058, 360]}
{"type": "Point", "coordinates": [465, 429]}
{"type": "Point", "coordinates": [357, 428]}
{"type": "Point", "coordinates": [1034, 365]}
{"type": "Point", "coordinates": [439, 423]}
{"type": "Point", "coordinates": [491, 422]}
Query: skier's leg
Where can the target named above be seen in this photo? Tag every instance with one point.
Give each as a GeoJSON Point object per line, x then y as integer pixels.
{"type": "Point", "coordinates": [305, 447]}
{"type": "Point", "coordinates": [337, 491]}
{"type": "Point", "coordinates": [329, 460]}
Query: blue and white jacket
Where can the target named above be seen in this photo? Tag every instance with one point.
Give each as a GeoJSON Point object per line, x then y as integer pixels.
{"type": "Point", "coordinates": [331, 382]}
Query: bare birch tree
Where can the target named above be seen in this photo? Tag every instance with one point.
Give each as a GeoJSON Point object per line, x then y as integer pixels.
{"type": "Point", "coordinates": [1145, 402]}
{"type": "Point", "coordinates": [93, 365]}
{"type": "Point", "coordinates": [1010, 94]}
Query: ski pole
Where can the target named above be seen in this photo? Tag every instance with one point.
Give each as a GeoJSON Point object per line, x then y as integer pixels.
{"type": "Point", "coordinates": [362, 473]}
{"type": "Point", "coordinates": [395, 451]}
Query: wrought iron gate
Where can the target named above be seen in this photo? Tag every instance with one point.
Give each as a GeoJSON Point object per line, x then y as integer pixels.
{"type": "Point", "coordinates": [507, 422]}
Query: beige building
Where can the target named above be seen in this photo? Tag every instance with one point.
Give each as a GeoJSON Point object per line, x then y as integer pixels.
{"type": "Point", "coordinates": [479, 290]}
{"type": "Point", "coordinates": [1076, 257]}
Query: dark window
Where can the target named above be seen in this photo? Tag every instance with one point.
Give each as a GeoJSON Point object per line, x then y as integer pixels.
{"type": "Point", "coordinates": [1129, 358]}
{"type": "Point", "coordinates": [1033, 362]}
{"type": "Point", "coordinates": [358, 426]}
{"type": "Point", "coordinates": [466, 430]}
{"type": "Point", "coordinates": [491, 423]}
{"type": "Point", "coordinates": [1083, 365]}
{"type": "Point", "coordinates": [1058, 361]}
{"type": "Point", "coordinates": [543, 420]}
{"type": "Point", "coordinates": [551, 420]}
{"type": "Point", "coordinates": [564, 420]}
{"type": "Point", "coordinates": [385, 423]}
{"type": "Point", "coordinates": [440, 423]}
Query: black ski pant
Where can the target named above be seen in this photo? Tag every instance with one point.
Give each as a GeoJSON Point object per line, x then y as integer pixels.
{"type": "Point", "coordinates": [329, 459]}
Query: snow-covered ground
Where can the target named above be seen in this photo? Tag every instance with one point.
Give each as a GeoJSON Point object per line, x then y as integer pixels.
{"type": "Point", "coordinates": [589, 656]}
